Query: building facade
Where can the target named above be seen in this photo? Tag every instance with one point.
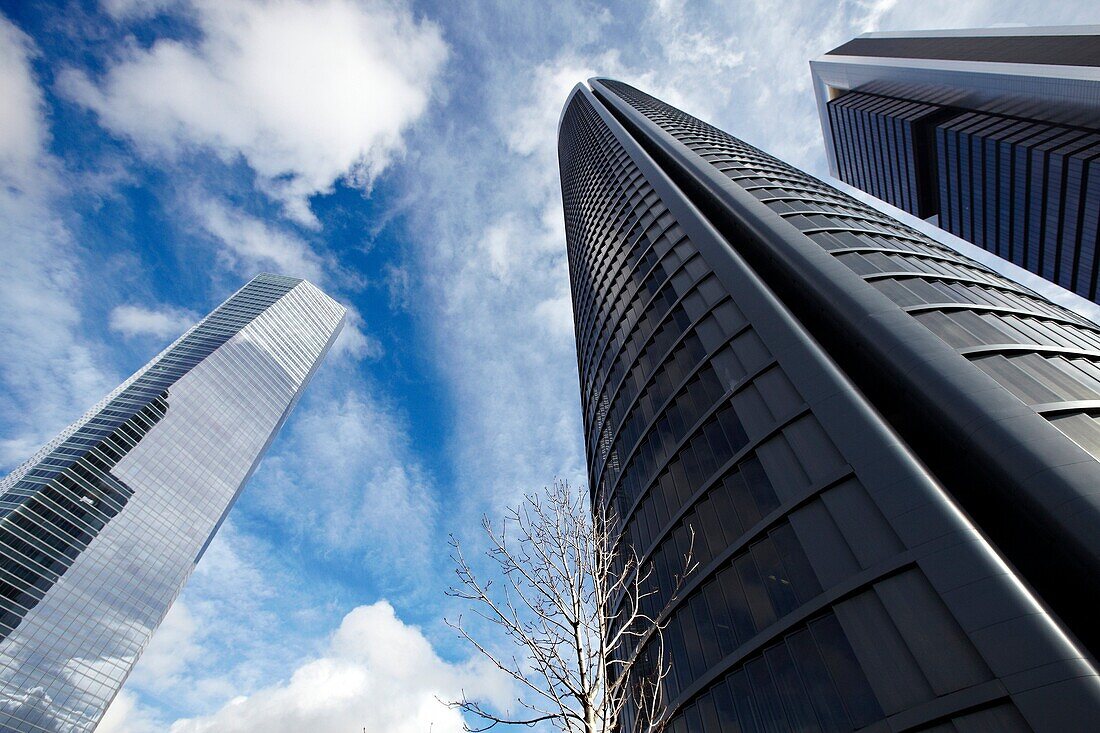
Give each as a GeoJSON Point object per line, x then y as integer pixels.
{"type": "Point", "coordinates": [886, 453]}
{"type": "Point", "coordinates": [100, 530]}
{"type": "Point", "coordinates": [994, 132]}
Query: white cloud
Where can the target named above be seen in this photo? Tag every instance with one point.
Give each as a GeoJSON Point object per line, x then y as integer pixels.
{"type": "Point", "coordinates": [346, 477]}
{"type": "Point", "coordinates": [173, 647]}
{"type": "Point", "coordinates": [22, 132]}
{"type": "Point", "coordinates": [695, 46]}
{"type": "Point", "coordinates": [127, 715]}
{"type": "Point", "coordinates": [378, 673]}
{"type": "Point", "coordinates": [242, 621]}
{"type": "Point", "coordinates": [163, 323]}
{"type": "Point", "coordinates": [123, 9]}
{"type": "Point", "coordinates": [354, 341]}
{"type": "Point", "coordinates": [497, 290]}
{"type": "Point", "coordinates": [250, 244]}
{"type": "Point", "coordinates": [307, 92]}
{"type": "Point", "coordinates": [48, 369]}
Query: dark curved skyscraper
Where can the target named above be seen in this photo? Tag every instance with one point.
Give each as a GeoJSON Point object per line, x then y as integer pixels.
{"type": "Point", "coordinates": [887, 452]}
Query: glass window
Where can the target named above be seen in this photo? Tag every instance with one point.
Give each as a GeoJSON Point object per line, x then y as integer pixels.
{"type": "Point", "coordinates": [845, 672]}
{"type": "Point", "coordinates": [744, 702]}
{"type": "Point", "coordinates": [774, 578]}
{"type": "Point", "coordinates": [819, 685]}
{"type": "Point", "coordinates": [756, 596]}
{"type": "Point", "coordinates": [767, 697]}
{"type": "Point", "coordinates": [740, 619]}
{"type": "Point", "coordinates": [800, 714]}
{"type": "Point", "coordinates": [795, 564]}
{"type": "Point", "coordinates": [886, 660]}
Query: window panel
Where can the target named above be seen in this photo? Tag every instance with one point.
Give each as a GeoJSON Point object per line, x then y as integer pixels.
{"type": "Point", "coordinates": [772, 717]}
{"type": "Point", "coordinates": [845, 671]}
{"type": "Point", "coordinates": [885, 658]}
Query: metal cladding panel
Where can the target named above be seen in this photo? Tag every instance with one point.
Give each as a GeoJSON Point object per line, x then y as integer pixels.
{"type": "Point", "coordinates": [839, 588]}
{"type": "Point", "coordinates": [1058, 50]}
{"type": "Point", "coordinates": [100, 530]}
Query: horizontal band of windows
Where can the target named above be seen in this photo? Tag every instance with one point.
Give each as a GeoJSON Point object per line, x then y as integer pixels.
{"type": "Point", "coordinates": [1001, 284]}
{"type": "Point", "coordinates": [799, 617]}
{"type": "Point", "coordinates": [749, 448]}
{"type": "Point", "coordinates": [1069, 320]}
{"type": "Point", "coordinates": [965, 328]}
{"type": "Point", "coordinates": [660, 364]}
{"type": "Point", "coordinates": [850, 215]}
{"type": "Point", "coordinates": [952, 705]}
{"type": "Point", "coordinates": [1069, 406]}
{"type": "Point", "coordinates": [738, 171]}
{"type": "Point", "coordinates": [689, 433]}
{"type": "Point", "coordinates": [995, 294]}
{"type": "Point", "coordinates": [619, 330]}
{"type": "Point", "coordinates": [766, 180]}
{"type": "Point", "coordinates": [629, 334]}
{"type": "Point", "coordinates": [831, 208]}
{"type": "Point", "coordinates": [897, 234]}
{"type": "Point", "coordinates": [949, 258]}
{"type": "Point", "coordinates": [1028, 349]}
{"type": "Point", "coordinates": [757, 531]}
{"type": "Point", "coordinates": [800, 194]}
{"type": "Point", "coordinates": [760, 164]}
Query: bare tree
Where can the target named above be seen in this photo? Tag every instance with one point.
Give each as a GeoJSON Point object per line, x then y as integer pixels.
{"type": "Point", "coordinates": [571, 599]}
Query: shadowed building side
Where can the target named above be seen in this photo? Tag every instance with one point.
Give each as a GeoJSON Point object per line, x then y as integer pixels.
{"type": "Point", "coordinates": [839, 588]}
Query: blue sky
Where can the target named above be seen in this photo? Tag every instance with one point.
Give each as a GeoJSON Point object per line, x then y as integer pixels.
{"type": "Point", "coordinates": [156, 154]}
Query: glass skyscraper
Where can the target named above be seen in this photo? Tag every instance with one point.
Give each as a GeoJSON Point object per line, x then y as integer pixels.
{"type": "Point", "coordinates": [887, 454]}
{"type": "Point", "coordinates": [100, 530]}
{"type": "Point", "coordinates": [996, 132]}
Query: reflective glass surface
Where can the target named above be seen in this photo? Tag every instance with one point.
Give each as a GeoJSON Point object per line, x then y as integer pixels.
{"type": "Point", "coordinates": [101, 529]}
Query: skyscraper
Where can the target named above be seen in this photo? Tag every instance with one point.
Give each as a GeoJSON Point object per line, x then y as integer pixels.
{"type": "Point", "coordinates": [102, 527]}
{"type": "Point", "coordinates": [996, 132]}
{"type": "Point", "coordinates": [887, 453]}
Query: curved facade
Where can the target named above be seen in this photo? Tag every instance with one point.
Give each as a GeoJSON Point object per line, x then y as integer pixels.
{"type": "Point", "coordinates": [839, 586]}
{"type": "Point", "coordinates": [100, 530]}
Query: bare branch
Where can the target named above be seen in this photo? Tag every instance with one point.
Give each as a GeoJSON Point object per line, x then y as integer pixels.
{"type": "Point", "coordinates": [569, 598]}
